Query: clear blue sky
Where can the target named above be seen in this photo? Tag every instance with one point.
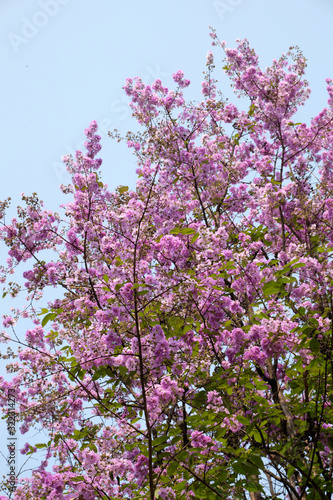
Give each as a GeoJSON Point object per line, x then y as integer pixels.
{"type": "Point", "coordinates": [64, 63]}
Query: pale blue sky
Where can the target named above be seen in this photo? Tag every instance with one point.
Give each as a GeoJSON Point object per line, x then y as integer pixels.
{"type": "Point", "coordinates": [64, 63]}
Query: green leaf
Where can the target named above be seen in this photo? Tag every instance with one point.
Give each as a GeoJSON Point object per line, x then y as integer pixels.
{"type": "Point", "coordinates": [172, 468]}
{"type": "Point", "coordinates": [182, 455]}
{"type": "Point", "coordinates": [43, 311]}
{"type": "Point", "coordinates": [290, 471]}
{"type": "Point", "coordinates": [313, 322]}
{"type": "Point", "coordinates": [252, 486]}
{"type": "Point", "coordinates": [123, 189]}
{"type": "Point", "coordinates": [251, 110]}
{"type": "Point", "coordinates": [159, 440]}
{"type": "Point", "coordinates": [176, 439]}
{"type": "Point", "coordinates": [56, 439]}
{"type": "Point", "coordinates": [67, 348]}
{"type": "Point", "coordinates": [180, 486]}
{"type": "Point", "coordinates": [78, 478]}
{"type": "Point", "coordinates": [119, 286]}
{"type": "Point", "coordinates": [243, 420]}
{"type": "Point", "coordinates": [123, 370]}
{"type": "Point", "coordinates": [314, 345]}
{"type": "Point", "coordinates": [52, 335]}
{"type": "Point", "coordinates": [230, 265]}
{"type": "Point", "coordinates": [257, 461]}
{"type": "Point", "coordinates": [194, 237]}
{"type": "Point", "coordinates": [201, 491]}
{"type": "Point", "coordinates": [40, 445]}
{"type": "Point", "coordinates": [31, 450]}
{"type": "Point", "coordinates": [48, 317]}
{"type": "Point", "coordinates": [255, 433]}
{"type": "Point", "coordinates": [246, 468]}
{"type": "Point", "coordinates": [106, 278]}
{"type": "Point", "coordinates": [272, 287]}
{"type": "Point", "coordinates": [187, 230]}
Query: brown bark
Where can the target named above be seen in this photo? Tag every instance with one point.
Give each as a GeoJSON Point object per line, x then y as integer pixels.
{"type": "Point", "coordinates": [255, 495]}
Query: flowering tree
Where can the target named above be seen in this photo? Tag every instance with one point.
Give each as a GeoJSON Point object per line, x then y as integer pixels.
{"type": "Point", "coordinates": [189, 352]}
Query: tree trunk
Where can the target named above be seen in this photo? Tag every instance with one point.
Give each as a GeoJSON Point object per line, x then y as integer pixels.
{"type": "Point", "coordinates": [255, 495]}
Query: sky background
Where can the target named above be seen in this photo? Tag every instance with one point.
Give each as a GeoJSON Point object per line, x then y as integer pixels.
{"type": "Point", "coordinates": [64, 63]}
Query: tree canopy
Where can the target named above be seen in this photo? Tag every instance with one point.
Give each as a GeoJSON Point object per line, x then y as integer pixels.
{"type": "Point", "coordinates": [188, 354]}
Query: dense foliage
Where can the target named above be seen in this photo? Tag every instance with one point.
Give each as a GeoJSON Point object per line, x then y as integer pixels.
{"type": "Point", "coordinates": [189, 352]}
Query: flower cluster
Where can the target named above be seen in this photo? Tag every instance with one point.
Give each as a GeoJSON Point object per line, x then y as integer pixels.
{"type": "Point", "coordinates": [189, 350]}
